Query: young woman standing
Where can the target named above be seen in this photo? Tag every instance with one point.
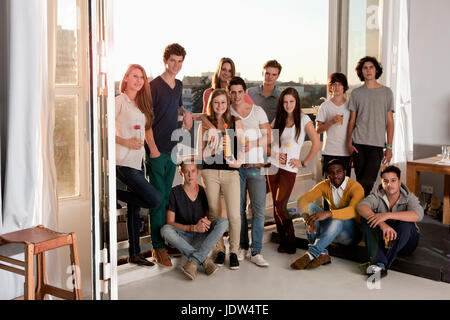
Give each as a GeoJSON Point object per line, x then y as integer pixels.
{"type": "Point", "coordinates": [221, 169]}
{"type": "Point", "coordinates": [134, 117]}
{"type": "Point", "coordinates": [225, 71]}
{"type": "Point", "coordinates": [292, 126]}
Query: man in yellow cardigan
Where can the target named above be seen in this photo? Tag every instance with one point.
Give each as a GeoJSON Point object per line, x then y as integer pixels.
{"type": "Point", "coordinates": [339, 224]}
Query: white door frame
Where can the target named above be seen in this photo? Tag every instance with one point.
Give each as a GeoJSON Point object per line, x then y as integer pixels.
{"type": "Point", "coordinates": [103, 161]}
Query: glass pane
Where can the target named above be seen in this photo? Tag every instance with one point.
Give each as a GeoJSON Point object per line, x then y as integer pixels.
{"type": "Point", "coordinates": [66, 145]}
{"type": "Point", "coordinates": [365, 21]}
{"type": "Point", "coordinates": [66, 43]}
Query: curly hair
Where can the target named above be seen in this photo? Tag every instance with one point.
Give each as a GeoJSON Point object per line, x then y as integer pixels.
{"type": "Point", "coordinates": [174, 49]}
{"type": "Point", "coordinates": [375, 62]}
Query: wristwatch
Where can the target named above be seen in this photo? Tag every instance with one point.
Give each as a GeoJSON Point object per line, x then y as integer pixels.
{"type": "Point", "coordinates": [388, 146]}
{"type": "Point", "coordinates": [303, 164]}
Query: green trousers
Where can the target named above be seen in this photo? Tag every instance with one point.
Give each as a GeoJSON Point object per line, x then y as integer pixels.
{"type": "Point", "coordinates": [161, 172]}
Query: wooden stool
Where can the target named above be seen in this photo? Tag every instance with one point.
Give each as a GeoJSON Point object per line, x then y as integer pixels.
{"type": "Point", "coordinates": [37, 240]}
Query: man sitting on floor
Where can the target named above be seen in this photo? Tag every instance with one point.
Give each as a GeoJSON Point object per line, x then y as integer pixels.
{"type": "Point", "coordinates": [188, 227]}
{"type": "Point", "coordinates": [388, 219]}
{"type": "Point", "coordinates": [339, 224]}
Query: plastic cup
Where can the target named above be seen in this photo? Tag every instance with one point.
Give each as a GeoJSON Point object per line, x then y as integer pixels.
{"type": "Point", "coordinates": [388, 243]}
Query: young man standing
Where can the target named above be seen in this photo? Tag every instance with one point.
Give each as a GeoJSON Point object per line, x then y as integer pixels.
{"type": "Point", "coordinates": [371, 120]}
{"type": "Point", "coordinates": [166, 95]}
{"type": "Point", "coordinates": [391, 213]}
{"type": "Point", "coordinates": [257, 133]}
{"type": "Point", "coordinates": [188, 226]}
{"type": "Point", "coordinates": [339, 224]}
{"type": "Point", "coordinates": [266, 96]}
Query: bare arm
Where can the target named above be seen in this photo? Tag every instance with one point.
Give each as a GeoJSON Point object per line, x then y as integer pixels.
{"type": "Point", "coordinates": [187, 118]}
{"type": "Point", "coordinates": [351, 127]}
{"type": "Point", "coordinates": [316, 144]}
{"type": "Point", "coordinates": [365, 211]}
{"type": "Point", "coordinates": [154, 152]}
{"type": "Point", "coordinates": [129, 143]}
{"type": "Point", "coordinates": [390, 137]}
{"type": "Point", "coordinates": [266, 138]}
{"type": "Point", "coordinates": [236, 163]}
{"type": "Point", "coordinates": [324, 126]}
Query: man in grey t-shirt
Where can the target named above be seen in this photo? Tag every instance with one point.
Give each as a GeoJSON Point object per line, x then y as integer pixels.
{"type": "Point", "coordinates": [371, 123]}
{"type": "Point", "coordinates": [266, 96]}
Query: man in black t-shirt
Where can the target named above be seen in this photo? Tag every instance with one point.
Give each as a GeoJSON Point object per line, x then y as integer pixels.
{"type": "Point", "coordinates": [188, 227]}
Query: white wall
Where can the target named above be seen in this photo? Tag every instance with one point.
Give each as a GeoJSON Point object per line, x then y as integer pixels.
{"type": "Point", "coordinates": [430, 71]}
{"type": "Point", "coordinates": [430, 82]}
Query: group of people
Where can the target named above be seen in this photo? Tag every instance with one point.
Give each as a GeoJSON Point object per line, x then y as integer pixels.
{"type": "Point", "coordinates": [251, 142]}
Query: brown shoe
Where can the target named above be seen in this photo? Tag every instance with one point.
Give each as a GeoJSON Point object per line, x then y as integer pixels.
{"type": "Point", "coordinates": [209, 266]}
{"type": "Point", "coordinates": [162, 258]}
{"type": "Point", "coordinates": [173, 252]}
{"type": "Point", "coordinates": [190, 269]}
{"type": "Point", "coordinates": [320, 260]}
{"type": "Point", "coordinates": [301, 262]}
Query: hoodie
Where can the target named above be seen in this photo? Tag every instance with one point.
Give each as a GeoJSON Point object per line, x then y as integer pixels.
{"type": "Point", "coordinates": [379, 202]}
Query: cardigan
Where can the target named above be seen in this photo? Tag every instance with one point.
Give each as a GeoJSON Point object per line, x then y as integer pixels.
{"type": "Point", "coordinates": [353, 194]}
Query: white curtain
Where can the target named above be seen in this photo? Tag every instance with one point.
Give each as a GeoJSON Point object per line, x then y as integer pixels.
{"type": "Point", "coordinates": [400, 82]}
{"type": "Point", "coordinates": [29, 189]}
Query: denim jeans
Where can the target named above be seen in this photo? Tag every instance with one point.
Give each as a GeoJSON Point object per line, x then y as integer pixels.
{"type": "Point", "coordinates": [195, 246]}
{"type": "Point", "coordinates": [140, 194]}
{"type": "Point", "coordinates": [405, 244]}
{"type": "Point", "coordinates": [331, 230]}
{"type": "Point", "coordinates": [255, 180]}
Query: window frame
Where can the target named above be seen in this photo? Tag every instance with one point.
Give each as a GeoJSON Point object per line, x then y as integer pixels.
{"type": "Point", "coordinates": [80, 90]}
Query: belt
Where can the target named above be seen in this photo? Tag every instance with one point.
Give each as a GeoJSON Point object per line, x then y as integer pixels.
{"type": "Point", "coordinates": [253, 165]}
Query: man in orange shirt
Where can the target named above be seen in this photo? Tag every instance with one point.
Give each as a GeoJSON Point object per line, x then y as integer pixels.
{"type": "Point", "coordinates": [339, 224]}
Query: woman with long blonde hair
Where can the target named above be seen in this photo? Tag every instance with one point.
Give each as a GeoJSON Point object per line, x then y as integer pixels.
{"type": "Point", "coordinates": [134, 118]}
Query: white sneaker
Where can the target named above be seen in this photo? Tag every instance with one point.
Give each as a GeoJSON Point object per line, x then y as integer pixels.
{"type": "Point", "coordinates": [242, 253]}
{"type": "Point", "coordinates": [259, 260]}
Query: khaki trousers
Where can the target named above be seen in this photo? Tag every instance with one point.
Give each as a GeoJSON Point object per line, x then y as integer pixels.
{"type": "Point", "coordinates": [228, 182]}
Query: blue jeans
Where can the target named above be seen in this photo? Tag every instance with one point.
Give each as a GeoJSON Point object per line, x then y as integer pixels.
{"type": "Point", "coordinates": [195, 246]}
{"type": "Point", "coordinates": [331, 230]}
{"type": "Point", "coordinates": [406, 242]}
{"type": "Point", "coordinates": [140, 194]}
{"type": "Point", "coordinates": [255, 180]}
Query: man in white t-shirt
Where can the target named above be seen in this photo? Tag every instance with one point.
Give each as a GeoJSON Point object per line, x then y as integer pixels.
{"type": "Point", "coordinates": [332, 120]}
{"type": "Point", "coordinates": [252, 175]}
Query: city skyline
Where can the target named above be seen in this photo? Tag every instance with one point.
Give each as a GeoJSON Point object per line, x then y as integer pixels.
{"type": "Point", "coordinates": [254, 32]}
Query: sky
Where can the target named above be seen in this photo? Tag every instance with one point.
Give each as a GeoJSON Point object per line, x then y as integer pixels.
{"type": "Point", "coordinates": [294, 32]}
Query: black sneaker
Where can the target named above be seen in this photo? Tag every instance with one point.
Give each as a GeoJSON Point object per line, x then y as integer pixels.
{"type": "Point", "coordinates": [220, 258]}
{"type": "Point", "coordinates": [234, 262]}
